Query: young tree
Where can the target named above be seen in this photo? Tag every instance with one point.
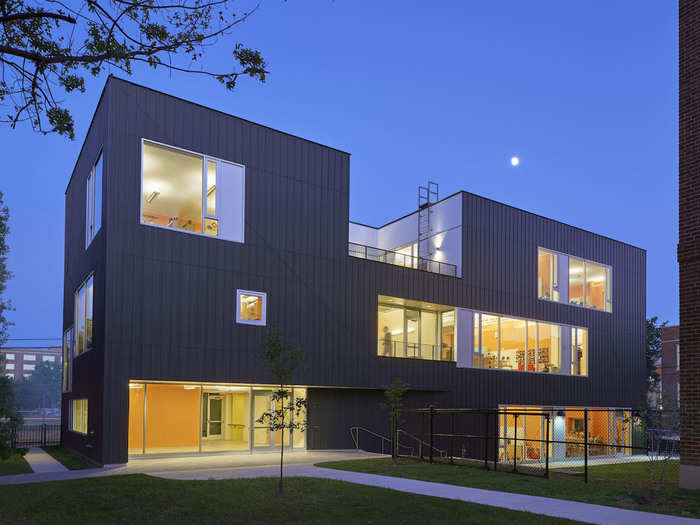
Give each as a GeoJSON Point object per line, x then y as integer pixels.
{"type": "Point", "coordinates": [10, 419]}
{"type": "Point", "coordinates": [42, 389]}
{"type": "Point", "coordinates": [5, 275]}
{"type": "Point", "coordinates": [653, 353]}
{"type": "Point", "coordinates": [50, 46]}
{"type": "Point", "coordinates": [282, 360]}
{"type": "Point", "coordinates": [393, 403]}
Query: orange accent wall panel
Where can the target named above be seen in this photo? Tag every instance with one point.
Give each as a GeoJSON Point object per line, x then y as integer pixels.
{"type": "Point", "coordinates": [136, 418]}
{"type": "Point", "coordinates": [172, 416]}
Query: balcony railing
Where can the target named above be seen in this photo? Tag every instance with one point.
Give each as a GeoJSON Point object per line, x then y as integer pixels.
{"type": "Point", "coordinates": [401, 259]}
{"type": "Point", "coordinates": [415, 350]}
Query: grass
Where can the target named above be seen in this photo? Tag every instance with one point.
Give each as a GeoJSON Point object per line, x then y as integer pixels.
{"type": "Point", "coordinates": [69, 460]}
{"type": "Point", "coordinates": [624, 485]}
{"type": "Point", "coordinates": [15, 464]}
{"type": "Point", "coordinates": [143, 499]}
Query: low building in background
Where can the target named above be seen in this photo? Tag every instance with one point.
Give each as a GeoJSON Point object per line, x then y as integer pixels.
{"type": "Point", "coordinates": [20, 361]}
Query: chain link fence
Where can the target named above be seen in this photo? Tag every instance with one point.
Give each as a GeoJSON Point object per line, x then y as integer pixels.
{"type": "Point", "coordinates": [576, 442]}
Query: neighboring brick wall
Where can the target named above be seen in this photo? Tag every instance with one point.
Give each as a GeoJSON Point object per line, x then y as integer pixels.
{"type": "Point", "coordinates": [669, 368]}
{"type": "Point", "coordinates": [689, 227]}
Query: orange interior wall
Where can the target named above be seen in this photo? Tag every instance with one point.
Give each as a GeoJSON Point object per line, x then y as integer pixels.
{"type": "Point", "coordinates": [136, 418]}
{"type": "Point", "coordinates": [172, 416]}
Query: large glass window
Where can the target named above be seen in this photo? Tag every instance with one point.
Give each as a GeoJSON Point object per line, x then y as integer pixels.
{"type": "Point", "coordinates": [83, 317]}
{"type": "Point", "coordinates": [416, 331]}
{"type": "Point", "coordinates": [513, 341]}
{"type": "Point", "coordinates": [518, 344]}
{"type": "Point", "coordinates": [67, 355]}
{"type": "Point", "coordinates": [191, 192]}
{"type": "Point", "coordinates": [589, 283]}
{"type": "Point", "coordinates": [93, 202]}
{"type": "Point", "coordinates": [78, 416]}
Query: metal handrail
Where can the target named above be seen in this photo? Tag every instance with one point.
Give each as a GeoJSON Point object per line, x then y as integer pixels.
{"type": "Point", "coordinates": [401, 259]}
{"type": "Point", "coordinates": [355, 436]}
{"type": "Point", "coordinates": [415, 350]}
{"type": "Point", "coordinates": [442, 453]}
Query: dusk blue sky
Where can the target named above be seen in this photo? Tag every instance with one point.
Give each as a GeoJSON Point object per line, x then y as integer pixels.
{"type": "Point", "coordinates": [585, 93]}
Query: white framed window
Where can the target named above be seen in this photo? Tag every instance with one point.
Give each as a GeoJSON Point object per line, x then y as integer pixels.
{"type": "Point", "coordinates": [29, 357]}
{"type": "Point", "coordinates": [93, 201]}
{"type": "Point", "coordinates": [28, 368]}
{"type": "Point", "coordinates": [67, 359]}
{"type": "Point", "coordinates": [251, 307]}
{"type": "Point", "coordinates": [10, 357]}
{"type": "Point", "coordinates": [49, 358]}
{"type": "Point", "coordinates": [78, 416]}
{"type": "Point", "coordinates": [83, 316]}
{"type": "Point", "coordinates": [191, 192]}
{"type": "Point", "coordinates": [10, 366]}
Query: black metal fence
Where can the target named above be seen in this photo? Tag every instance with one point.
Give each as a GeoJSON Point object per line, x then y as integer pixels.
{"type": "Point", "coordinates": [36, 436]}
{"type": "Point", "coordinates": [534, 441]}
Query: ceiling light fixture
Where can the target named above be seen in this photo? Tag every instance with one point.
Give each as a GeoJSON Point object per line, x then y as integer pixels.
{"type": "Point", "coordinates": [152, 196]}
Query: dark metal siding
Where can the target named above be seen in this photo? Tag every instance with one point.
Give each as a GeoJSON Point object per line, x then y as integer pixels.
{"type": "Point", "coordinates": [170, 295]}
{"type": "Point", "coordinates": [79, 263]}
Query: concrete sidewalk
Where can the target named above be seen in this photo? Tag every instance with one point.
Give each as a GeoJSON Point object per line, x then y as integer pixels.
{"type": "Point", "coordinates": [43, 463]}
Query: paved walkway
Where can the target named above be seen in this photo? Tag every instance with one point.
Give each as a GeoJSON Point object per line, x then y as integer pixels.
{"type": "Point", "coordinates": [302, 464]}
{"type": "Point", "coordinates": [43, 463]}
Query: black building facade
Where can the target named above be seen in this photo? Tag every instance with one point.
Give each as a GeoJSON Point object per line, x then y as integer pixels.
{"type": "Point", "coordinates": [162, 352]}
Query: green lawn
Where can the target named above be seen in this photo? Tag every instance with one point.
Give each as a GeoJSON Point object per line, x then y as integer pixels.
{"type": "Point", "coordinates": [15, 464]}
{"type": "Point", "coordinates": [70, 460]}
{"type": "Point", "coordinates": [144, 499]}
{"type": "Point", "coordinates": [621, 485]}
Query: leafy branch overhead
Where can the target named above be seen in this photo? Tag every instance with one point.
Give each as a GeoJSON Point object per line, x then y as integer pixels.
{"type": "Point", "coordinates": [47, 48]}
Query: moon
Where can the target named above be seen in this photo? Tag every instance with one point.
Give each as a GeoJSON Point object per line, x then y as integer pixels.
{"type": "Point", "coordinates": [514, 161]}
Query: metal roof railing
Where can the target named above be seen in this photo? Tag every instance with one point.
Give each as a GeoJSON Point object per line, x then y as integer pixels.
{"type": "Point", "coordinates": [401, 259]}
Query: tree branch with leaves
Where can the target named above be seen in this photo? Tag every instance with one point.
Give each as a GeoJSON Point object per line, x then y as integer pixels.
{"type": "Point", "coordinates": [47, 48]}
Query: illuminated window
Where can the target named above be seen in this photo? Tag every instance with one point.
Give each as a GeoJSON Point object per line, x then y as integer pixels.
{"type": "Point", "coordinates": [10, 357]}
{"type": "Point", "coordinates": [93, 202]}
{"type": "Point", "coordinates": [190, 192]}
{"type": "Point", "coordinates": [67, 355]}
{"type": "Point", "coordinates": [28, 368]}
{"type": "Point", "coordinates": [10, 366]}
{"type": "Point", "coordinates": [583, 283]}
{"type": "Point", "coordinates": [579, 351]}
{"type": "Point", "coordinates": [78, 416]}
{"type": "Point", "coordinates": [49, 358]}
{"type": "Point", "coordinates": [251, 307]}
{"type": "Point", "coordinates": [83, 316]}
{"type": "Point", "coordinates": [29, 357]}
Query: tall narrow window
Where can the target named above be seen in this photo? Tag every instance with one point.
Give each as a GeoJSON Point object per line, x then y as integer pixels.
{"type": "Point", "coordinates": [190, 192]}
{"type": "Point", "coordinates": [93, 202]}
{"type": "Point", "coordinates": [83, 317]}
{"type": "Point", "coordinates": [547, 275]}
{"type": "Point", "coordinates": [579, 351]}
{"type": "Point", "coordinates": [549, 348]}
{"type": "Point", "coordinates": [78, 416]}
{"type": "Point", "coordinates": [67, 356]}
{"type": "Point", "coordinates": [489, 340]}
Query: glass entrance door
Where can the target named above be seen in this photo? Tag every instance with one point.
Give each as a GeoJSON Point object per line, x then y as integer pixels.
{"type": "Point", "coordinates": [215, 417]}
{"type": "Point", "coordinates": [262, 403]}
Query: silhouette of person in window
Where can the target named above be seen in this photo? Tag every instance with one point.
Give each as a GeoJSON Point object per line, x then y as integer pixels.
{"type": "Point", "coordinates": [387, 341]}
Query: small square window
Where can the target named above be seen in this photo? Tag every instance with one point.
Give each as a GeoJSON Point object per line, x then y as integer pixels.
{"type": "Point", "coordinates": [251, 307]}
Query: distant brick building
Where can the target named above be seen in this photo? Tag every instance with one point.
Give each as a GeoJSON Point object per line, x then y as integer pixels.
{"type": "Point", "coordinates": [669, 367]}
{"type": "Point", "coordinates": [689, 238]}
{"type": "Point", "coordinates": [21, 361]}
